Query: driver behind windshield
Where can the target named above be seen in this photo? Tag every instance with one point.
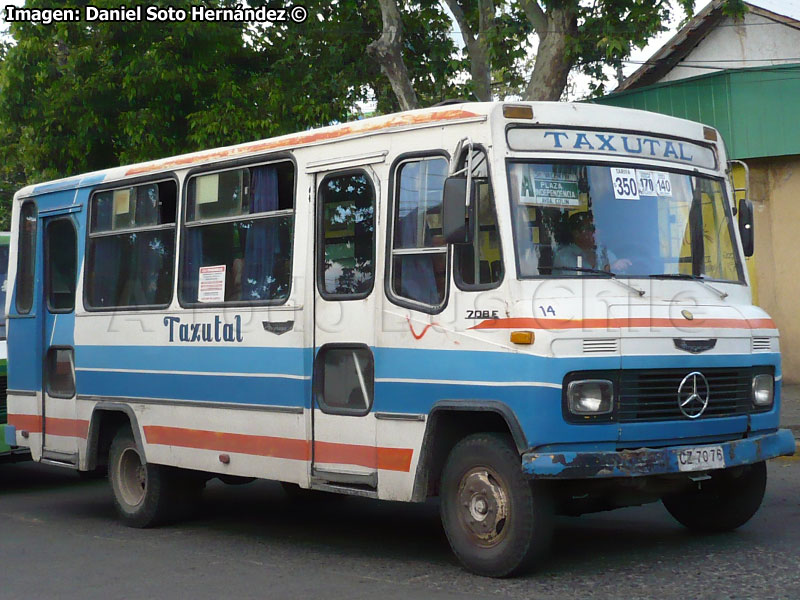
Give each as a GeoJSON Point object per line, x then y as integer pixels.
{"type": "Point", "coordinates": [584, 253]}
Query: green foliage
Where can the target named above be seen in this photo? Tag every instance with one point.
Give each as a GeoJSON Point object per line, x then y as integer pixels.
{"type": "Point", "coordinates": [78, 97]}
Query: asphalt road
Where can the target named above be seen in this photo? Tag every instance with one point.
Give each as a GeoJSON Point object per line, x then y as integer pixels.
{"type": "Point", "coordinates": [59, 539]}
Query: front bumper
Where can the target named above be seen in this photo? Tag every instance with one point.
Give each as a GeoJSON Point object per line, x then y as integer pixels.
{"type": "Point", "coordinates": [580, 464]}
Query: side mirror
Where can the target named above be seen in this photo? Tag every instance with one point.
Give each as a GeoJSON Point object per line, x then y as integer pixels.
{"type": "Point", "coordinates": [746, 226]}
{"type": "Point", "coordinates": [456, 213]}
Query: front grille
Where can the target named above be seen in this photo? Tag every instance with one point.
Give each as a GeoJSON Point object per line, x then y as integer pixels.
{"type": "Point", "coordinates": [652, 395]}
{"type": "Point", "coordinates": [3, 409]}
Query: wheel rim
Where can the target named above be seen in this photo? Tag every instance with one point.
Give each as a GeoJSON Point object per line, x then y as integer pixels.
{"type": "Point", "coordinates": [132, 477]}
{"type": "Point", "coordinates": [483, 507]}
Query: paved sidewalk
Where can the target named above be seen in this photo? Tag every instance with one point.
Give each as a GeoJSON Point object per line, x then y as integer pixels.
{"type": "Point", "coordinates": [790, 408]}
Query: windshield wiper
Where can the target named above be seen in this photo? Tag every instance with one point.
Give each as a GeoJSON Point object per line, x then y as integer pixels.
{"type": "Point", "coordinates": [609, 274]}
{"type": "Point", "coordinates": [698, 278]}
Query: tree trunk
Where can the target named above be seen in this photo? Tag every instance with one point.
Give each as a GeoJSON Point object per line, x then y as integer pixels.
{"type": "Point", "coordinates": [549, 77]}
{"type": "Point", "coordinates": [480, 65]}
{"type": "Point", "coordinates": [388, 51]}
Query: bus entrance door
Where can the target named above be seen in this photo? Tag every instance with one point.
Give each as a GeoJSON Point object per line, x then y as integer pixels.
{"type": "Point", "coordinates": [344, 427]}
{"type": "Point", "coordinates": [60, 427]}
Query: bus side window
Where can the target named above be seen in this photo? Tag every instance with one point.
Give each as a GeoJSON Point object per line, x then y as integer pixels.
{"type": "Point", "coordinates": [419, 254]}
{"type": "Point", "coordinates": [237, 245]}
{"type": "Point", "coordinates": [347, 229]}
{"type": "Point", "coordinates": [131, 246]}
{"type": "Point", "coordinates": [479, 265]}
{"type": "Point", "coordinates": [26, 259]}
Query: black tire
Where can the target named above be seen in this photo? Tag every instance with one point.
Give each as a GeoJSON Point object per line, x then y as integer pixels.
{"type": "Point", "coordinates": [726, 501]}
{"type": "Point", "coordinates": [143, 493]}
{"type": "Point", "coordinates": [497, 521]}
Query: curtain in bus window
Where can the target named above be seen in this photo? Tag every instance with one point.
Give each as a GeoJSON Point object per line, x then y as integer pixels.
{"type": "Point", "coordinates": [147, 207]}
{"type": "Point", "coordinates": [192, 261]}
{"type": "Point", "coordinates": [417, 277]}
{"type": "Point", "coordinates": [262, 241]}
{"type": "Point", "coordinates": [107, 255]}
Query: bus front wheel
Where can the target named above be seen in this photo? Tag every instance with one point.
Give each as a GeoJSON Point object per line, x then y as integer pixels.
{"type": "Point", "coordinates": [497, 521]}
{"type": "Point", "coordinates": [141, 490]}
{"type": "Point", "coordinates": [726, 501]}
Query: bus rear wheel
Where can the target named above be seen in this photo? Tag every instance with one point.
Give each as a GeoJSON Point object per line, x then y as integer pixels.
{"type": "Point", "coordinates": [726, 501]}
{"type": "Point", "coordinates": [497, 521]}
{"type": "Point", "coordinates": [142, 493]}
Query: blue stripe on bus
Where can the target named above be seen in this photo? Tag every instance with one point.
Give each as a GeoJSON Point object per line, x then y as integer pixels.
{"type": "Point", "coordinates": [208, 388]}
{"type": "Point", "coordinates": [391, 363]}
{"type": "Point", "coordinates": [208, 359]}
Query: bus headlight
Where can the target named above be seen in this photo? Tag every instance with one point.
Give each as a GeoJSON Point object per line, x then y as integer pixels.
{"type": "Point", "coordinates": [763, 390]}
{"type": "Point", "coordinates": [590, 397]}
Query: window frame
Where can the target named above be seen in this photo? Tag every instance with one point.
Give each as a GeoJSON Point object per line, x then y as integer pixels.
{"type": "Point", "coordinates": [25, 203]}
{"type": "Point", "coordinates": [320, 248]}
{"type": "Point", "coordinates": [46, 371]}
{"type": "Point", "coordinates": [48, 270]}
{"type": "Point", "coordinates": [740, 263]}
{"type": "Point", "coordinates": [245, 163]}
{"type": "Point", "coordinates": [119, 185]}
{"type": "Point", "coordinates": [394, 184]}
{"type": "Point", "coordinates": [481, 287]}
{"type": "Point", "coordinates": [318, 385]}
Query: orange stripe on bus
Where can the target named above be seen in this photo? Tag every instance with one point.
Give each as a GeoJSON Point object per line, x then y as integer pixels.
{"type": "Point", "coordinates": [310, 137]}
{"type": "Point", "coordinates": [390, 459]}
{"type": "Point", "coordinates": [66, 427]}
{"type": "Point", "coordinates": [624, 323]}
{"type": "Point", "coordinates": [30, 423]}
{"type": "Point", "coordinates": [52, 425]}
{"type": "Point", "coordinates": [257, 445]}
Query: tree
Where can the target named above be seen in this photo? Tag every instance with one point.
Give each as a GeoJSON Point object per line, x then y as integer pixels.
{"type": "Point", "coordinates": [82, 96]}
{"type": "Point", "coordinates": [571, 34]}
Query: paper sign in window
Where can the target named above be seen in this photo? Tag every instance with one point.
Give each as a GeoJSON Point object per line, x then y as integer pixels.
{"type": "Point", "coordinates": [654, 183]}
{"type": "Point", "coordinates": [548, 189]}
{"type": "Point", "coordinates": [624, 183]}
{"type": "Point", "coordinates": [123, 209]}
{"type": "Point", "coordinates": [211, 284]}
{"type": "Point", "coordinates": [206, 189]}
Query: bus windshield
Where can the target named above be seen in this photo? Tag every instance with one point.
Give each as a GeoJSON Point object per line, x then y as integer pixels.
{"type": "Point", "coordinates": [574, 219]}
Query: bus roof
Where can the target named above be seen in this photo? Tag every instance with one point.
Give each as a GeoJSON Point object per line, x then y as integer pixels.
{"type": "Point", "coordinates": [550, 113]}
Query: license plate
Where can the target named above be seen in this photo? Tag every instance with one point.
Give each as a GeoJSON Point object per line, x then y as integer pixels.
{"type": "Point", "coordinates": [701, 459]}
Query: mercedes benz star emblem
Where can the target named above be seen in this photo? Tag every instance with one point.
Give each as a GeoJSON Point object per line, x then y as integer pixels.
{"type": "Point", "coordinates": [693, 395]}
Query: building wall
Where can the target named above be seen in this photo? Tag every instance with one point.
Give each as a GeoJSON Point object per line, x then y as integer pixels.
{"type": "Point", "coordinates": [753, 42]}
{"type": "Point", "coordinates": [775, 191]}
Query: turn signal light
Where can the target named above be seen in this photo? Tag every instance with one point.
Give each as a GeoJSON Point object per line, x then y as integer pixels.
{"type": "Point", "coordinates": [517, 111]}
{"type": "Point", "coordinates": [522, 337]}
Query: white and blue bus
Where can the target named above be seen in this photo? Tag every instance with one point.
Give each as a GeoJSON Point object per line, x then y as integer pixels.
{"type": "Point", "coordinates": [524, 309]}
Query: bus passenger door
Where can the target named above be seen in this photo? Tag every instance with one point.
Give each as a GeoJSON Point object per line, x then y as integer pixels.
{"type": "Point", "coordinates": [344, 449]}
{"type": "Point", "coordinates": [61, 429]}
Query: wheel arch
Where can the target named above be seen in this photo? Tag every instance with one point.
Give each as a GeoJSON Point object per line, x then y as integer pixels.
{"type": "Point", "coordinates": [452, 420]}
{"type": "Point", "coordinates": [106, 420]}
